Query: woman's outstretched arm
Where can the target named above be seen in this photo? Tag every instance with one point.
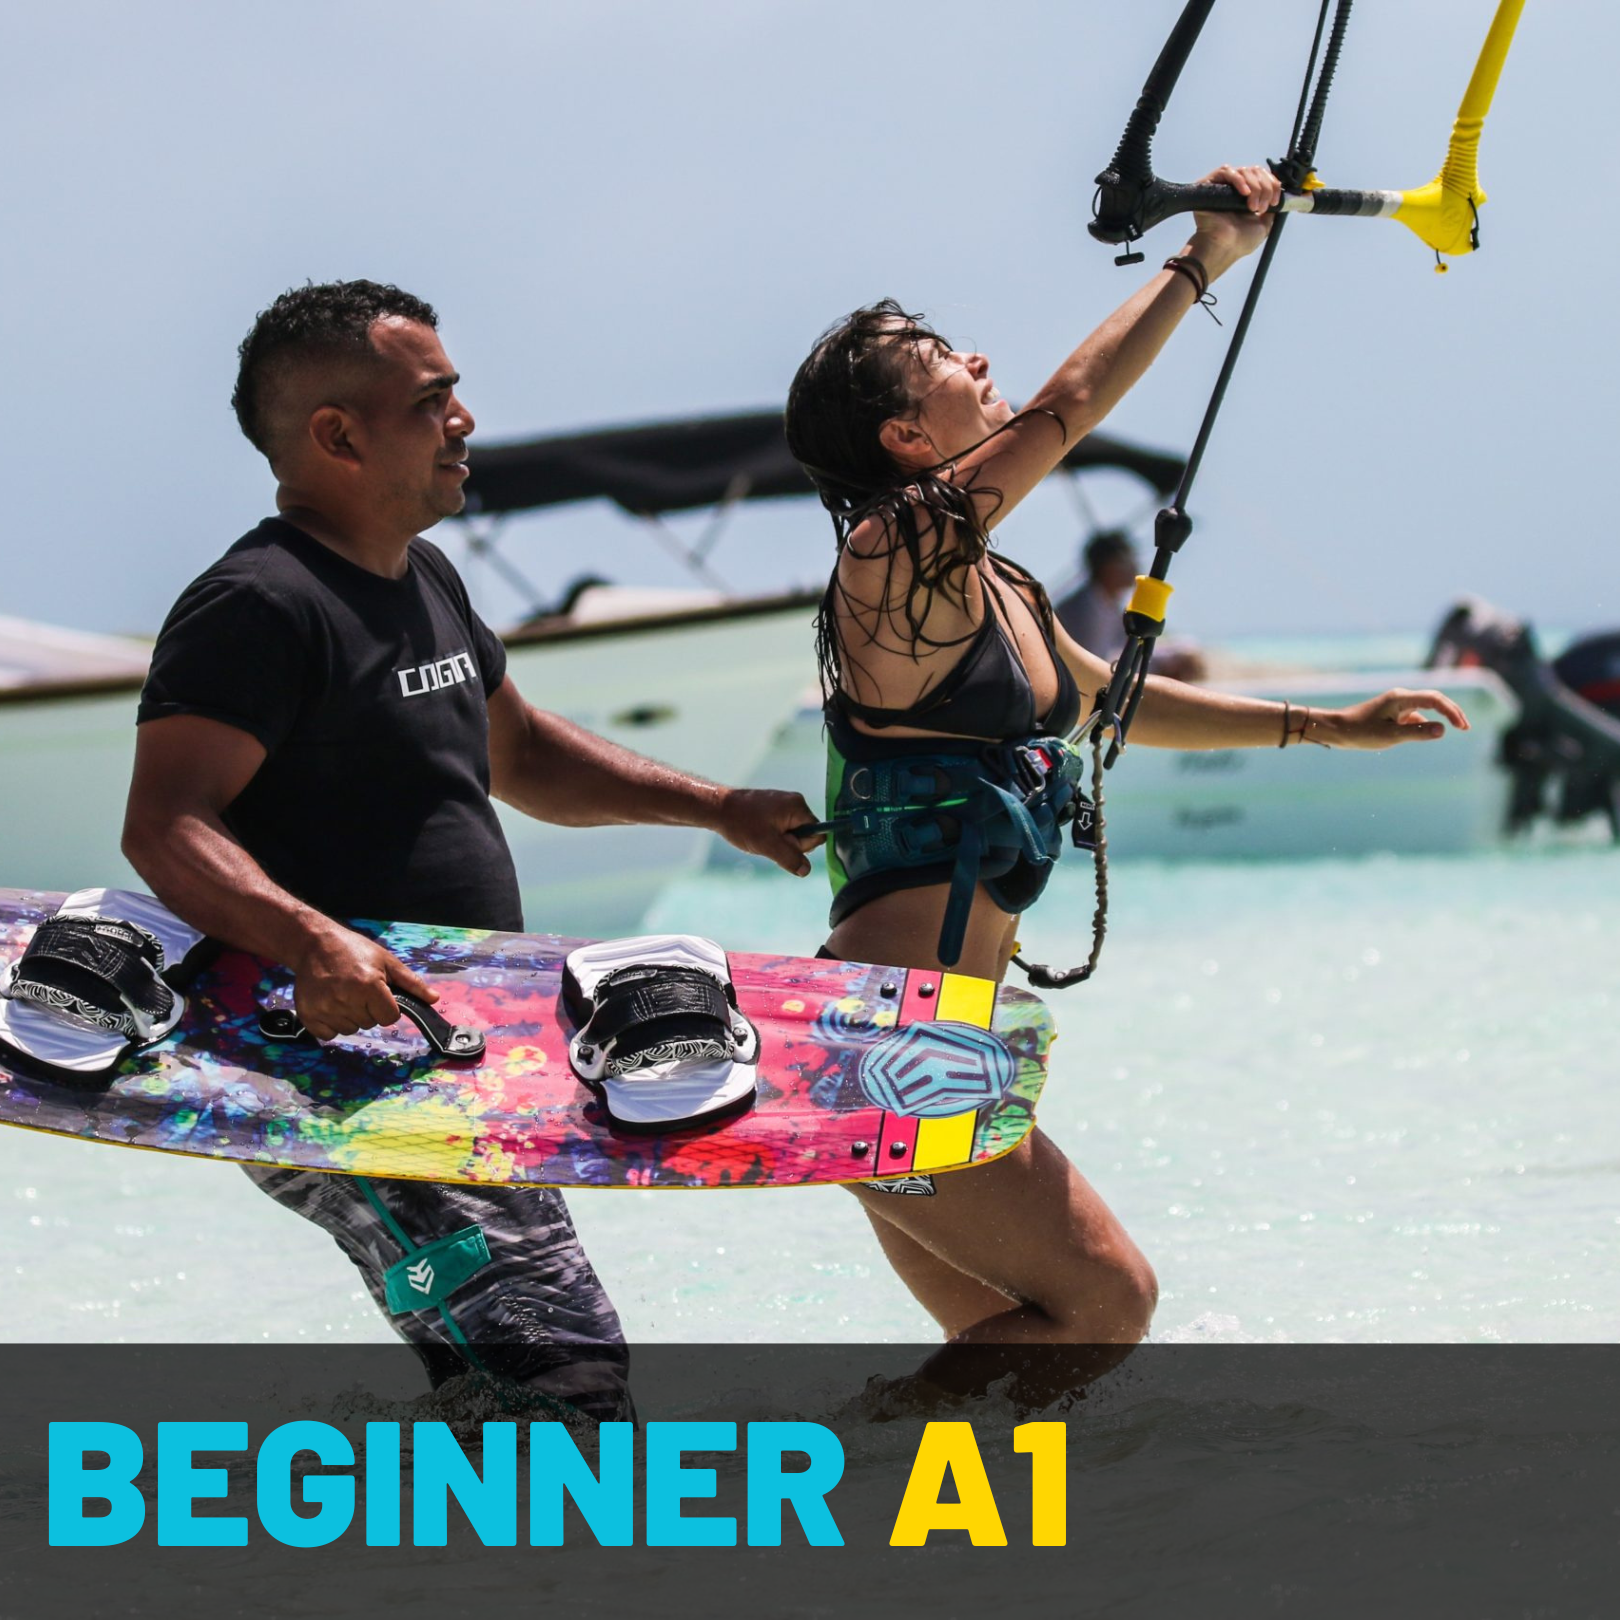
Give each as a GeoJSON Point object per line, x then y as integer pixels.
{"type": "Point", "coordinates": [1093, 380]}
{"type": "Point", "coordinates": [1175, 715]}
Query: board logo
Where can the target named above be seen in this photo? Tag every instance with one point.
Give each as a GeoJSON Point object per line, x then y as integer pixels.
{"type": "Point", "coordinates": [420, 1277]}
{"type": "Point", "coordinates": [933, 1070]}
{"type": "Point", "coordinates": [442, 672]}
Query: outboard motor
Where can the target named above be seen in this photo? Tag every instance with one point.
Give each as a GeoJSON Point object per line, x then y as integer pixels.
{"type": "Point", "coordinates": [1590, 668]}
{"type": "Point", "coordinates": [1564, 753]}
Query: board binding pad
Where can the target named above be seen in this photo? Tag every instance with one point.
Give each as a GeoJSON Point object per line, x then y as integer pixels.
{"type": "Point", "coordinates": [53, 1026]}
{"type": "Point", "coordinates": [669, 1000]}
{"type": "Point", "coordinates": [864, 1072]}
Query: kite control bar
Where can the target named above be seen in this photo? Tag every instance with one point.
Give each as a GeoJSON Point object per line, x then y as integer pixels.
{"type": "Point", "coordinates": [1125, 213]}
{"type": "Point", "coordinates": [1144, 618]}
{"type": "Point", "coordinates": [1443, 215]}
{"type": "Point", "coordinates": [1131, 199]}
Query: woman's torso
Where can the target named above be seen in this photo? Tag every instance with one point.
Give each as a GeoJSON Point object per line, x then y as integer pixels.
{"type": "Point", "coordinates": [983, 665]}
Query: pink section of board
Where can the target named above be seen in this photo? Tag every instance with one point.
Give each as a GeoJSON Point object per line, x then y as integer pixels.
{"type": "Point", "coordinates": [915, 1006]}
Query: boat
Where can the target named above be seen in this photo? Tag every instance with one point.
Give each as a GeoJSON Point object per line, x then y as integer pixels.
{"type": "Point", "coordinates": [699, 677]}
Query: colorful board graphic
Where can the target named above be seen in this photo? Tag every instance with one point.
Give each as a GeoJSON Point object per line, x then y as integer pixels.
{"type": "Point", "coordinates": [864, 1072]}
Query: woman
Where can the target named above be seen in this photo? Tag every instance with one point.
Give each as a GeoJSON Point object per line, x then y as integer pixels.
{"type": "Point", "coordinates": [939, 659]}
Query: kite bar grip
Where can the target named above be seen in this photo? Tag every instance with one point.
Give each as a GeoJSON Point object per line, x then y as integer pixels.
{"type": "Point", "coordinates": [1126, 211]}
{"type": "Point", "coordinates": [1159, 200]}
{"type": "Point", "coordinates": [454, 1041]}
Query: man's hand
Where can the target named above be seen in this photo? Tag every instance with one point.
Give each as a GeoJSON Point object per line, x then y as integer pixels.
{"type": "Point", "coordinates": [345, 982]}
{"type": "Point", "coordinates": [1382, 722]}
{"type": "Point", "coordinates": [760, 821]}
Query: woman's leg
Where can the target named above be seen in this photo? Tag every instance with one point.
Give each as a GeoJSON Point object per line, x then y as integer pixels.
{"type": "Point", "coordinates": [1021, 1250]}
{"type": "Point", "coordinates": [1037, 1240]}
{"type": "Point", "coordinates": [954, 1299]}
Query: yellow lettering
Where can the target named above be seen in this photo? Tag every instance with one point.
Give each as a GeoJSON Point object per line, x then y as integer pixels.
{"type": "Point", "coordinates": [1047, 1445]}
{"type": "Point", "coordinates": [948, 1446]}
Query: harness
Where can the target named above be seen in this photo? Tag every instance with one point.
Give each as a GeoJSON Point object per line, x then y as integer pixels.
{"type": "Point", "coordinates": [982, 811]}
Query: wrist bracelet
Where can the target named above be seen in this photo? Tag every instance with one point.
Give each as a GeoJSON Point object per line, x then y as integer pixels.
{"type": "Point", "coordinates": [1192, 267]}
{"type": "Point", "coordinates": [1287, 710]}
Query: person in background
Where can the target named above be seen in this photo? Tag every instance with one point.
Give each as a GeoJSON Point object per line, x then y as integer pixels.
{"type": "Point", "coordinates": [1094, 613]}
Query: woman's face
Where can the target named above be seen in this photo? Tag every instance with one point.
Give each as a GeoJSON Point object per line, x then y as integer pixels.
{"type": "Point", "coordinates": [955, 401]}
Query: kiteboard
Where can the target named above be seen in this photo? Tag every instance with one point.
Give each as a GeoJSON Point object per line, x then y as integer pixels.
{"type": "Point", "coordinates": [858, 1072]}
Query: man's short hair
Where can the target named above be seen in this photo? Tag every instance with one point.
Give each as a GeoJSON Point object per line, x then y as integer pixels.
{"type": "Point", "coordinates": [329, 320]}
{"type": "Point", "coordinates": [1110, 546]}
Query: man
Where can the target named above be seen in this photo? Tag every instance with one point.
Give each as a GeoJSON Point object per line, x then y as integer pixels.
{"type": "Point", "coordinates": [1095, 613]}
{"type": "Point", "coordinates": [289, 772]}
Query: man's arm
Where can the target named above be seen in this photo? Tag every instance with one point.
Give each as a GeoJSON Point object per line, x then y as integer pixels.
{"type": "Point", "coordinates": [188, 770]}
{"type": "Point", "coordinates": [556, 771]}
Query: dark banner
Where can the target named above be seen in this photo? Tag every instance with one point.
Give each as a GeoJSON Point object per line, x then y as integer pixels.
{"type": "Point", "coordinates": [768, 1480]}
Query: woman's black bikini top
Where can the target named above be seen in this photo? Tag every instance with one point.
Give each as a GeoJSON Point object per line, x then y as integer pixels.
{"type": "Point", "coordinates": [987, 692]}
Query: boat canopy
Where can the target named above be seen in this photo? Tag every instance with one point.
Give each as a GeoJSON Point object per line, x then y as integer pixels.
{"type": "Point", "coordinates": [700, 462]}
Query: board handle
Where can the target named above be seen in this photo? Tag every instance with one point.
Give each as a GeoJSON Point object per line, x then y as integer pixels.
{"type": "Point", "coordinates": [457, 1042]}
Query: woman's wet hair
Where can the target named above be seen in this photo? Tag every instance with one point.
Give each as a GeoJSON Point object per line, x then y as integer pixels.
{"type": "Point", "coordinates": [860, 374]}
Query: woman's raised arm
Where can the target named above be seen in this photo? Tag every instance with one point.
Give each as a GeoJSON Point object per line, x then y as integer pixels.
{"type": "Point", "coordinates": [1093, 380]}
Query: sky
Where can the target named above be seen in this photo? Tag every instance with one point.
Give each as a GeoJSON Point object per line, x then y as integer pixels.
{"type": "Point", "coordinates": [632, 211]}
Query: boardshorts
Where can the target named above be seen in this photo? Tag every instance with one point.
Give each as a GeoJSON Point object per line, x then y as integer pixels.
{"type": "Point", "coordinates": [535, 1312]}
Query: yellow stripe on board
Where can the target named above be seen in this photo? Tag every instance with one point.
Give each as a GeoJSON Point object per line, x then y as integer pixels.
{"type": "Point", "coordinates": [942, 1143]}
{"type": "Point", "coordinates": [963, 1000]}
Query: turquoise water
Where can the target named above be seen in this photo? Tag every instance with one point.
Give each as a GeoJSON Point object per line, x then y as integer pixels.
{"type": "Point", "coordinates": [1343, 1101]}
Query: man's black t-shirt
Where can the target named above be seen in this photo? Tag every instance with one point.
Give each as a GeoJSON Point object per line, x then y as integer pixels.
{"type": "Point", "coordinates": [369, 696]}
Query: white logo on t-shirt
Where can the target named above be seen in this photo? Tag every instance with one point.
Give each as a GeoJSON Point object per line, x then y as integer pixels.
{"type": "Point", "coordinates": [451, 671]}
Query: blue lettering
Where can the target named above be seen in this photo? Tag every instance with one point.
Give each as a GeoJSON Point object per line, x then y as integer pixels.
{"type": "Point", "coordinates": [382, 1484]}
{"type": "Point", "coordinates": [71, 1484]}
{"type": "Point", "coordinates": [556, 1466]}
{"type": "Point", "coordinates": [179, 1484]}
{"type": "Point", "coordinates": [333, 1494]}
{"type": "Point", "coordinates": [668, 1484]}
{"type": "Point", "coordinates": [442, 1468]}
{"type": "Point", "coordinates": [806, 1489]}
